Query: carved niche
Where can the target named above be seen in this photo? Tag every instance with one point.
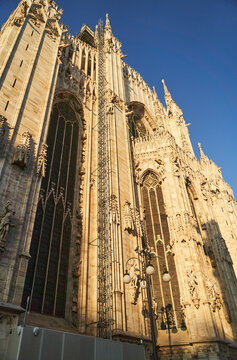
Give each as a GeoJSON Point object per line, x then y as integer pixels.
{"type": "Point", "coordinates": [213, 295]}
{"type": "Point", "coordinates": [128, 217]}
{"type": "Point", "coordinates": [5, 224]}
{"type": "Point", "coordinates": [42, 160]}
{"type": "Point", "coordinates": [193, 288]}
{"type": "Point", "coordinates": [3, 121]}
{"type": "Point", "coordinates": [111, 100]}
{"type": "Point", "coordinates": [114, 210]}
{"type": "Point", "coordinates": [22, 151]}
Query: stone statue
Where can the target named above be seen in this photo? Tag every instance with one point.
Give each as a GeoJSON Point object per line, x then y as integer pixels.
{"type": "Point", "coordinates": [193, 288]}
{"type": "Point", "coordinates": [128, 217]}
{"type": "Point", "coordinates": [5, 223]}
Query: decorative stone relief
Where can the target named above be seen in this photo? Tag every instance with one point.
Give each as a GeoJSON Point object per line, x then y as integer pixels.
{"type": "Point", "coordinates": [193, 288]}
{"type": "Point", "coordinates": [111, 100]}
{"type": "Point", "coordinates": [20, 14]}
{"type": "Point", "coordinates": [204, 190]}
{"type": "Point", "coordinates": [128, 217]}
{"type": "Point", "coordinates": [42, 160]}
{"type": "Point", "coordinates": [175, 165]}
{"type": "Point", "coordinates": [160, 168]}
{"type": "Point", "coordinates": [114, 210]}
{"type": "Point", "coordinates": [22, 151]}
{"type": "Point", "coordinates": [169, 250]}
{"type": "Point", "coordinates": [138, 223]}
{"type": "Point", "coordinates": [185, 144]}
{"type": "Point", "coordinates": [213, 296]}
{"type": "Point", "coordinates": [5, 224]}
{"type": "Point", "coordinates": [155, 308]}
{"type": "Point", "coordinates": [36, 15]}
{"type": "Point", "coordinates": [134, 290]}
{"type": "Point", "coordinates": [3, 121]}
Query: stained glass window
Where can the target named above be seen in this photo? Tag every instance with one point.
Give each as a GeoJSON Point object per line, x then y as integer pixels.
{"type": "Point", "coordinates": [46, 279]}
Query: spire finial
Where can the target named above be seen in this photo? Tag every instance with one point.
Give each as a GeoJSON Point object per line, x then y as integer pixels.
{"type": "Point", "coordinates": [107, 22]}
{"type": "Point", "coordinates": [203, 157]}
{"type": "Point", "coordinates": [167, 93]}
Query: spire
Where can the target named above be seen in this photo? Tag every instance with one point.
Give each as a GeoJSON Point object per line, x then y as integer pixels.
{"type": "Point", "coordinates": [203, 157]}
{"type": "Point", "coordinates": [96, 37]}
{"type": "Point", "coordinates": [168, 97]}
{"type": "Point", "coordinates": [172, 107]}
{"type": "Point", "coordinates": [107, 23]}
{"type": "Point", "coordinates": [156, 99]}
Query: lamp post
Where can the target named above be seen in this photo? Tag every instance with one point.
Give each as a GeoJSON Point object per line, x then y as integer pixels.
{"type": "Point", "coordinates": [167, 310]}
{"type": "Point", "coordinates": [147, 269]}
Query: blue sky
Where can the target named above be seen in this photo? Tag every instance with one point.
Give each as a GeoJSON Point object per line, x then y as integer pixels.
{"type": "Point", "coordinates": [192, 45]}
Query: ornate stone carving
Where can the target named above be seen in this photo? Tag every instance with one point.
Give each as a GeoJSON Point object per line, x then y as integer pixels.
{"type": "Point", "coordinates": [114, 210]}
{"type": "Point", "coordinates": [5, 224]}
{"type": "Point", "coordinates": [173, 109]}
{"type": "Point", "coordinates": [134, 272]}
{"type": "Point", "coordinates": [36, 14]}
{"type": "Point", "coordinates": [150, 180]}
{"type": "Point", "coordinates": [204, 190]}
{"type": "Point", "coordinates": [169, 250]}
{"type": "Point", "coordinates": [213, 296]}
{"type": "Point", "coordinates": [128, 217]}
{"type": "Point", "coordinates": [20, 14]}
{"type": "Point", "coordinates": [185, 144]}
{"type": "Point", "coordinates": [160, 168]}
{"type": "Point", "coordinates": [193, 288]}
{"type": "Point", "coordinates": [111, 100]}
{"type": "Point", "coordinates": [138, 222]}
{"type": "Point", "coordinates": [3, 121]}
{"type": "Point", "coordinates": [22, 151]}
{"type": "Point", "coordinates": [175, 165]}
{"type": "Point", "coordinates": [42, 160]}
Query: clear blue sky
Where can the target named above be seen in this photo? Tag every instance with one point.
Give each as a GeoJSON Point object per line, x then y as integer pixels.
{"type": "Point", "coordinates": [192, 45]}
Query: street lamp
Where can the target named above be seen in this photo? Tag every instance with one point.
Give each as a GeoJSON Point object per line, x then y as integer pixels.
{"type": "Point", "coordinates": [147, 269]}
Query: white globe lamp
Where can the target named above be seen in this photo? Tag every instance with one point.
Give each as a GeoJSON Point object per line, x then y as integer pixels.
{"type": "Point", "coordinates": [143, 284]}
{"type": "Point", "coordinates": [126, 278]}
{"type": "Point", "coordinates": [150, 269]}
{"type": "Point", "coordinates": [166, 276]}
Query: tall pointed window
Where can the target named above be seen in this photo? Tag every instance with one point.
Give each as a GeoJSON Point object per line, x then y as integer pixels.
{"type": "Point", "coordinates": [83, 61]}
{"type": "Point", "coordinates": [158, 238]}
{"type": "Point", "coordinates": [46, 279]}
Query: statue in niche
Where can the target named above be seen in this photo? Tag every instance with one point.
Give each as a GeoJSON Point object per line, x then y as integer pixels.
{"type": "Point", "coordinates": [135, 282]}
{"type": "Point", "coordinates": [193, 288]}
{"type": "Point", "coordinates": [128, 217]}
{"type": "Point", "coordinates": [5, 224]}
{"type": "Point", "coordinates": [213, 295]}
{"type": "Point", "coordinates": [114, 210]}
{"type": "Point", "coordinates": [42, 160]}
{"type": "Point", "coordinates": [22, 151]}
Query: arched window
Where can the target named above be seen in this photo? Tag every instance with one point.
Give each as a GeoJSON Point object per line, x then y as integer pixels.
{"type": "Point", "coordinates": [83, 61]}
{"type": "Point", "coordinates": [46, 278]}
{"type": "Point", "coordinates": [89, 65]}
{"type": "Point", "coordinates": [158, 238]}
{"type": "Point", "coordinates": [94, 69]}
{"type": "Point", "coordinates": [139, 121]}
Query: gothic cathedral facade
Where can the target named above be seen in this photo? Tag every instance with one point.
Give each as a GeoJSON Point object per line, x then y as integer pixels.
{"type": "Point", "coordinates": [95, 170]}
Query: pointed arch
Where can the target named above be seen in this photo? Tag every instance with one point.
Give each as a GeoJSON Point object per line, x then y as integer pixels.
{"type": "Point", "coordinates": [141, 122]}
{"type": "Point", "coordinates": [51, 237]}
{"type": "Point", "coordinates": [94, 69]}
{"type": "Point", "coordinates": [83, 61]}
{"type": "Point", "coordinates": [157, 236]}
{"type": "Point", "coordinates": [89, 65]}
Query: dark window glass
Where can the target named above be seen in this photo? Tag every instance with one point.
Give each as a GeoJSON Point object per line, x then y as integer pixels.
{"type": "Point", "coordinates": [46, 279]}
